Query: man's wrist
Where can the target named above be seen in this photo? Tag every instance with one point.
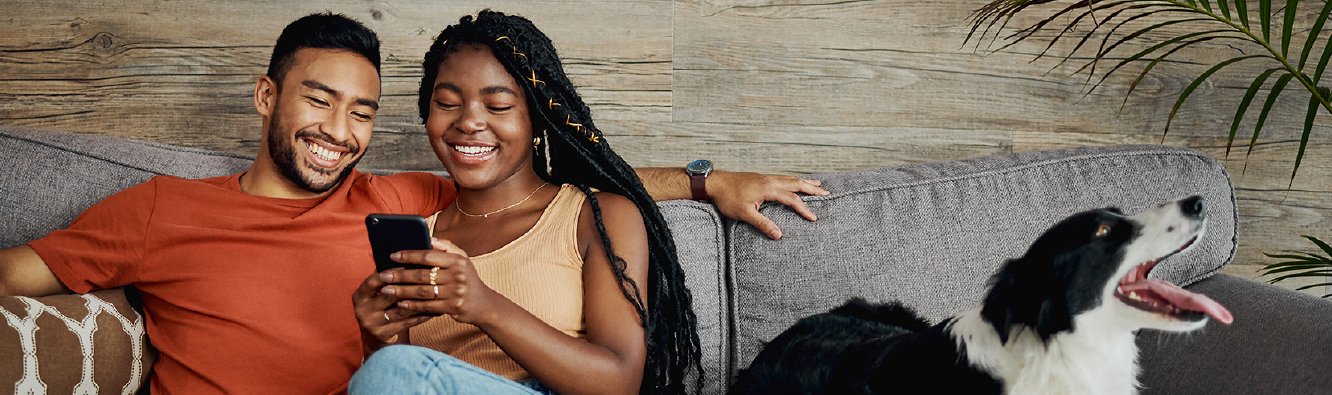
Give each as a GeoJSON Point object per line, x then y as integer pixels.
{"type": "Point", "coordinates": [698, 172]}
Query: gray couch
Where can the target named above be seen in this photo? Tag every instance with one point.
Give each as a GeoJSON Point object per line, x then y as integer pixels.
{"type": "Point", "coordinates": [928, 234]}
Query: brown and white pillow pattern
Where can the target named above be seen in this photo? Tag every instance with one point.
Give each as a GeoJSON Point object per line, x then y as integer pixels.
{"type": "Point", "coordinates": [72, 344]}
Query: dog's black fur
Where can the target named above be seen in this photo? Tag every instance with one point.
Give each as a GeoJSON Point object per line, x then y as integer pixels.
{"type": "Point", "coordinates": [842, 352]}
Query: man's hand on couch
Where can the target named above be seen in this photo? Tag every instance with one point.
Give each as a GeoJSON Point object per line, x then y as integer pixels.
{"type": "Point", "coordinates": [738, 196]}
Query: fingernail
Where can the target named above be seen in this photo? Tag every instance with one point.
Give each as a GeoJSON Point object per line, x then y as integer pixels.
{"type": "Point", "coordinates": [395, 256]}
{"type": "Point", "coordinates": [386, 276]}
{"type": "Point", "coordinates": [389, 291]}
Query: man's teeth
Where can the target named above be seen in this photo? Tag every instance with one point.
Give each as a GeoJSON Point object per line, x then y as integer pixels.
{"type": "Point", "coordinates": [323, 153]}
{"type": "Point", "coordinates": [472, 150]}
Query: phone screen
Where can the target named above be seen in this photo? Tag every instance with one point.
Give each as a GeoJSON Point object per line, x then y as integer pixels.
{"type": "Point", "coordinates": [390, 233]}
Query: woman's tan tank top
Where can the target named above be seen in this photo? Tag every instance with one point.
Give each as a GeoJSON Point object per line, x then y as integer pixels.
{"type": "Point", "coordinates": [542, 271]}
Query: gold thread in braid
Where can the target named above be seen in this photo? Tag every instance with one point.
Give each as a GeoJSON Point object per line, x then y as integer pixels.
{"type": "Point", "coordinates": [534, 80]}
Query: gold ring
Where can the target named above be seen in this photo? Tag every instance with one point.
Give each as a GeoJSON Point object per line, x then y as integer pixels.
{"type": "Point", "coordinates": [386, 318]}
{"type": "Point", "coordinates": [434, 271]}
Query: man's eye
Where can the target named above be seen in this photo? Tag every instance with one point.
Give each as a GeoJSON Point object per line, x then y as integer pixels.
{"type": "Point", "coordinates": [318, 101]}
{"type": "Point", "coordinates": [501, 109]}
{"type": "Point", "coordinates": [446, 106]}
{"type": "Point", "coordinates": [363, 116]}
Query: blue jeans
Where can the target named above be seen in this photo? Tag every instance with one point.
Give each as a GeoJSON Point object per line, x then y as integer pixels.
{"type": "Point", "coordinates": [403, 369]}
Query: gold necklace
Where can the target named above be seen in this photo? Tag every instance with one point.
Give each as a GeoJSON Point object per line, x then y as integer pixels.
{"type": "Point", "coordinates": [487, 215]}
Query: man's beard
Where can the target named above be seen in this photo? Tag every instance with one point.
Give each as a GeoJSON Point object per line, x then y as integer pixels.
{"type": "Point", "coordinates": [283, 153]}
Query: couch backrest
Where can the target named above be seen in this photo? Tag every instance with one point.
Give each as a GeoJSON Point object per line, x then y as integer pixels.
{"type": "Point", "coordinates": [932, 234]}
{"type": "Point", "coordinates": [50, 177]}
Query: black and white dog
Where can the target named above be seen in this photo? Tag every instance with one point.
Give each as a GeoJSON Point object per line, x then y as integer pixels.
{"type": "Point", "coordinates": [1059, 320]}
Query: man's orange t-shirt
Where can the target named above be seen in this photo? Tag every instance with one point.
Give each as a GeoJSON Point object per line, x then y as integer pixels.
{"type": "Point", "coordinates": [243, 294]}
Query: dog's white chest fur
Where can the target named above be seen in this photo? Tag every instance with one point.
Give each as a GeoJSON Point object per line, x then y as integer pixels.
{"type": "Point", "coordinates": [1098, 358]}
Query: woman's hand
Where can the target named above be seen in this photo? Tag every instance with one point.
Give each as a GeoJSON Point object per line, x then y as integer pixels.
{"type": "Point", "coordinates": [375, 302]}
{"type": "Point", "coordinates": [451, 287]}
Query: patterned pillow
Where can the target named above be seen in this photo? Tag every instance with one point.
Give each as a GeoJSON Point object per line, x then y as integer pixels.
{"type": "Point", "coordinates": [80, 344]}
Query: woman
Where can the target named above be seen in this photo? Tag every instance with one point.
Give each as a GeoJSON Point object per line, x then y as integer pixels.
{"type": "Point", "coordinates": [573, 284]}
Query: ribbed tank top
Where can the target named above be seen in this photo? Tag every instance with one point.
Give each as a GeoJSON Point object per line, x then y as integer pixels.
{"type": "Point", "coordinates": [542, 271]}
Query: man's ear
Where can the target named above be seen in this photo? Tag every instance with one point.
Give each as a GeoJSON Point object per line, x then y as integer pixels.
{"type": "Point", "coordinates": [265, 96]}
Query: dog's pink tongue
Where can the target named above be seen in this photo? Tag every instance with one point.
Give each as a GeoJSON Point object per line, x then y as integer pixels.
{"type": "Point", "coordinates": [1182, 298]}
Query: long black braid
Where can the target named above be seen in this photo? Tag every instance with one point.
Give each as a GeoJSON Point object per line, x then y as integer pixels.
{"type": "Point", "coordinates": [580, 156]}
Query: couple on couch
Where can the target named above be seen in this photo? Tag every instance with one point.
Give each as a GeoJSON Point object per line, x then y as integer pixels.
{"type": "Point", "coordinates": [552, 270]}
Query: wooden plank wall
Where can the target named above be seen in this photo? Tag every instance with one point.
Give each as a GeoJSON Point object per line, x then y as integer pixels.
{"type": "Point", "coordinates": [786, 87]}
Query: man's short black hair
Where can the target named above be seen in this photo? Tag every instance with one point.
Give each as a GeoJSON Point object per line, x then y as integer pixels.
{"type": "Point", "coordinates": [327, 31]}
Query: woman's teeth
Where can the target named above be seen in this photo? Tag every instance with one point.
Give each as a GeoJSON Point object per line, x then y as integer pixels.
{"type": "Point", "coordinates": [323, 153]}
{"type": "Point", "coordinates": [472, 150]}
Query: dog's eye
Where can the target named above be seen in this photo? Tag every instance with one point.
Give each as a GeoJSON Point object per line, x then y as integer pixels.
{"type": "Point", "coordinates": [1103, 230]}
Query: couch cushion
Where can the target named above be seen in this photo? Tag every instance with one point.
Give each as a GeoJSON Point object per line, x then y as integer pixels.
{"type": "Point", "coordinates": [50, 177]}
{"type": "Point", "coordinates": [932, 234]}
{"type": "Point", "coordinates": [67, 344]}
{"type": "Point", "coordinates": [697, 231]}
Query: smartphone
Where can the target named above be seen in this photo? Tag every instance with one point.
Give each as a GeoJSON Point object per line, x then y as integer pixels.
{"type": "Point", "coordinates": [390, 233]}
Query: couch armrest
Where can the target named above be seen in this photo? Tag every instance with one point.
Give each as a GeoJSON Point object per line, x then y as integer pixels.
{"type": "Point", "coordinates": [1280, 343]}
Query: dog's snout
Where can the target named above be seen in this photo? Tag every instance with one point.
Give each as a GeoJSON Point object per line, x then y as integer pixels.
{"type": "Point", "coordinates": [1193, 207]}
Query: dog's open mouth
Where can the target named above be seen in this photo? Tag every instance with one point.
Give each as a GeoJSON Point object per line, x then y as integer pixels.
{"type": "Point", "coordinates": [1162, 297]}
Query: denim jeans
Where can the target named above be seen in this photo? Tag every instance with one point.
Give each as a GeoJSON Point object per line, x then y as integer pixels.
{"type": "Point", "coordinates": [403, 369]}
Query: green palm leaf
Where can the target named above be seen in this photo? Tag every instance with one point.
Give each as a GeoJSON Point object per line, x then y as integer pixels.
{"type": "Point", "coordinates": [1279, 86]}
{"type": "Point", "coordinates": [1184, 19]}
{"type": "Point", "coordinates": [1321, 245]}
{"type": "Point", "coordinates": [1313, 36]}
{"type": "Point", "coordinates": [1265, 19]}
{"type": "Point", "coordinates": [1288, 25]}
{"type": "Point", "coordinates": [1198, 81]}
{"type": "Point", "coordinates": [1243, 107]}
{"type": "Point", "coordinates": [1242, 11]}
{"type": "Point", "coordinates": [1300, 264]}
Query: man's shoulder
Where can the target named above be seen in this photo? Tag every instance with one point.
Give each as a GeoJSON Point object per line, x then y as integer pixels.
{"type": "Point", "coordinates": [172, 185]}
{"type": "Point", "coordinates": [408, 192]}
{"type": "Point", "coordinates": [405, 180]}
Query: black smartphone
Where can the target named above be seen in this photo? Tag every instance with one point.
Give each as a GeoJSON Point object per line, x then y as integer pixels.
{"type": "Point", "coordinates": [390, 233]}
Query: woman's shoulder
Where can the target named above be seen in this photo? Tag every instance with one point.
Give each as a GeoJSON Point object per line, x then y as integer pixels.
{"type": "Point", "coordinates": [616, 210]}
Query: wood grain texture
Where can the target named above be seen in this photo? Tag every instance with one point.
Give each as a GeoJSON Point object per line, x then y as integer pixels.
{"type": "Point", "coordinates": [785, 87]}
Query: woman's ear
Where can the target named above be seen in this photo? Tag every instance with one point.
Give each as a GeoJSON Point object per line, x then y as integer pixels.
{"type": "Point", "coordinates": [265, 96]}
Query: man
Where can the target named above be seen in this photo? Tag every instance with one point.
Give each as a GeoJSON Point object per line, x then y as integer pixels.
{"type": "Point", "coordinates": [246, 279]}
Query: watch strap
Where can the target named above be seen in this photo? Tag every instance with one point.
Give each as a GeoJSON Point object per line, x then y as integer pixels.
{"type": "Point", "coordinates": [697, 185]}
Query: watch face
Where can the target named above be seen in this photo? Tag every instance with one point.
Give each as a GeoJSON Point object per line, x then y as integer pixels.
{"type": "Point", "coordinates": [701, 166]}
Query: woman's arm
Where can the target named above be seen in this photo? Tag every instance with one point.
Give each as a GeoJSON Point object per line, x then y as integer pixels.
{"type": "Point", "coordinates": [609, 361]}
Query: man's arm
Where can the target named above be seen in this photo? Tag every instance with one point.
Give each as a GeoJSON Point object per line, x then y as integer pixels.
{"type": "Point", "coordinates": [24, 273]}
{"type": "Point", "coordinates": [737, 195]}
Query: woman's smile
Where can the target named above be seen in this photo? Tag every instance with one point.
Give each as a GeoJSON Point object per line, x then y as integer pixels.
{"type": "Point", "coordinates": [471, 154]}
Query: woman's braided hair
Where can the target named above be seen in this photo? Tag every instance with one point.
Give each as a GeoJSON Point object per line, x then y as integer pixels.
{"type": "Point", "coordinates": [579, 155]}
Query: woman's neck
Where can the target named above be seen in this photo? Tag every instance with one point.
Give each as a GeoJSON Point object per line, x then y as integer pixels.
{"type": "Point", "coordinates": [507, 195]}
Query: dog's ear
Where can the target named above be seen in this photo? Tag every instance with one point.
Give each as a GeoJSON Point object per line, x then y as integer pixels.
{"type": "Point", "coordinates": [1027, 293]}
{"type": "Point", "coordinates": [999, 307]}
